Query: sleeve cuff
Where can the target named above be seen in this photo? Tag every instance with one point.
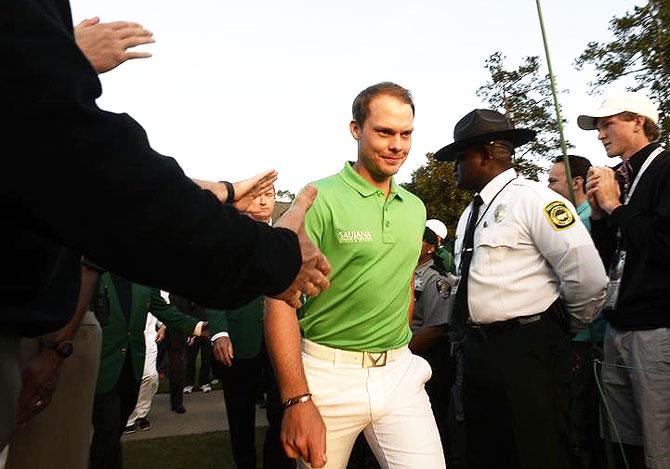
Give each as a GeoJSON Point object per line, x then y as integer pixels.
{"type": "Point", "coordinates": [219, 334]}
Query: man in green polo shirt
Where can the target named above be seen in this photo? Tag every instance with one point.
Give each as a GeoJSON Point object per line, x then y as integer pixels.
{"type": "Point", "coordinates": [355, 372]}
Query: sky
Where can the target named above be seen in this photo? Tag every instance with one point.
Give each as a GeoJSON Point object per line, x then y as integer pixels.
{"type": "Point", "coordinates": [234, 88]}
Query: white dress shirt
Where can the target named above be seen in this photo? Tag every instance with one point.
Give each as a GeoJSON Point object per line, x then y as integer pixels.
{"type": "Point", "coordinates": [527, 252]}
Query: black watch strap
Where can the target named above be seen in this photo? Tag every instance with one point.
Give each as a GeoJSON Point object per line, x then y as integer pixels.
{"type": "Point", "coordinates": [63, 348]}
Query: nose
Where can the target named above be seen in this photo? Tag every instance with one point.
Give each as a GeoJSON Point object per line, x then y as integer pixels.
{"type": "Point", "coordinates": [601, 134]}
{"type": "Point", "coordinates": [395, 144]}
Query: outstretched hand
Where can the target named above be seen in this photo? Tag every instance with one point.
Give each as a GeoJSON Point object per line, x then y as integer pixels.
{"type": "Point", "coordinates": [106, 45]}
{"type": "Point", "coordinates": [312, 277]}
{"type": "Point", "coordinates": [247, 190]}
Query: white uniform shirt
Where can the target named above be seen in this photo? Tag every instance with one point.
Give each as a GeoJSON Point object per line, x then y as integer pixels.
{"type": "Point", "coordinates": [530, 247]}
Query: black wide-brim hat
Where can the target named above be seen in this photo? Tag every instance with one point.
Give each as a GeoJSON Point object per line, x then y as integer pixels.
{"type": "Point", "coordinates": [483, 126]}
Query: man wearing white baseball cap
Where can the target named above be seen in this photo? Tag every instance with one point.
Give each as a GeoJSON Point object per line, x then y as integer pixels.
{"type": "Point", "coordinates": [631, 229]}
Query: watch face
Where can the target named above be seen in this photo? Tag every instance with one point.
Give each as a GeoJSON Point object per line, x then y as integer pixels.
{"type": "Point", "coordinates": [64, 349]}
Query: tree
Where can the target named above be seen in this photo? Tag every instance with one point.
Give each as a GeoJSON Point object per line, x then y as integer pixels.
{"type": "Point", "coordinates": [525, 97]}
{"type": "Point", "coordinates": [640, 49]}
{"type": "Point", "coordinates": [285, 195]}
{"type": "Point", "coordinates": [435, 185]}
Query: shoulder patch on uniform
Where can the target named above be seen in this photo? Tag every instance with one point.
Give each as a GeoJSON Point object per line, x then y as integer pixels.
{"type": "Point", "coordinates": [559, 215]}
{"type": "Point", "coordinates": [443, 288]}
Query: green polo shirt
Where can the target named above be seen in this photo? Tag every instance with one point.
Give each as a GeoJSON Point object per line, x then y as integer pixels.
{"type": "Point", "coordinates": [372, 243]}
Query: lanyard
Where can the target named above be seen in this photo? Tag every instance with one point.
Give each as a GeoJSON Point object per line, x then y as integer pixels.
{"type": "Point", "coordinates": [481, 217]}
{"type": "Point", "coordinates": [644, 167]}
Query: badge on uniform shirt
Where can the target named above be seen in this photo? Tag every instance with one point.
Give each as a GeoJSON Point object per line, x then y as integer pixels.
{"type": "Point", "coordinates": [499, 213]}
{"type": "Point", "coordinates": [443, 288]}
{"type": "Point", "coordinates": [559, 215]}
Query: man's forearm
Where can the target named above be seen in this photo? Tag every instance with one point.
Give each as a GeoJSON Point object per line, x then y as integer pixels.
{"type": "Point", "coordinates": [425, 338]}
{"type": "Point", "coordinates": [282, 335]}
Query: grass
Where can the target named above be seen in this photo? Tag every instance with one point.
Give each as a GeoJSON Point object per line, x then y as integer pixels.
{"type": "Point", "coordinates": [205, 450]}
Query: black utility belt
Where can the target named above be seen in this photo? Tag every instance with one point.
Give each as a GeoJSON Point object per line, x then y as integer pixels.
{"type": "Point", "coordinates": [498, 327]}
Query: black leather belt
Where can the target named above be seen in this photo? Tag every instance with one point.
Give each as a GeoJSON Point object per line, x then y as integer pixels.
{"type": "Point", "coordinates": [495, 328]}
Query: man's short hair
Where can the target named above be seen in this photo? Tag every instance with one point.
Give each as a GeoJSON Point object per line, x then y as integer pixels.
{"type": "Point", "coordinates": [651, 130]}
{"type": "Point", "coordinates": [579, 167]}
{"type": "Point", "coordinates": [360, 108]}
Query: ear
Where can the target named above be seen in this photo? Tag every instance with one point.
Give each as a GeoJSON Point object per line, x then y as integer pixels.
{"type": "Point", "coordinates": [639, 123]}
{"type": "Point", "coordinates": [354, 129]}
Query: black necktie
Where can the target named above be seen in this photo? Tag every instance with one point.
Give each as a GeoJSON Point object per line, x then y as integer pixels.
{"type": "Point", "coordinates": [461, 311]}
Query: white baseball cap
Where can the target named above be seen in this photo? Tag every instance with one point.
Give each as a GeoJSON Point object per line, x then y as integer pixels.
{"type": "Point", "coordinates": [618, 102]}
{"type": "Point", "coordinates": [437, 227]}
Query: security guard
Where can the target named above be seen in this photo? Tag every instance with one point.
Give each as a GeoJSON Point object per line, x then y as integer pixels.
{"type": "Point", "coordinates": [530, 275]}
{"type": "Point", "coordinates": [433, 303]}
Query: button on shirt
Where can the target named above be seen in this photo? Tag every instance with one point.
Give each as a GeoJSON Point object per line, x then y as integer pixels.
{"type": "Point", "coordinates": [529, 248]}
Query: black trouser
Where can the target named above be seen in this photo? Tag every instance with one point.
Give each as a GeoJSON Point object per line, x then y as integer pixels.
{"type": "Point", "coordinates": [438, 387]}
{"type": "Point", "coordinates": [110, 415]}
{"type": "Point", "coordinates": [176, 346]}
{"type": "Point", "coordinates": [516, 395]}
{"type": "Point", "coordinates": [240, 388]}
{"type": "Point", "coordinates": [203, 345]}
{"type": "Point", "coordinates": [588, 450]}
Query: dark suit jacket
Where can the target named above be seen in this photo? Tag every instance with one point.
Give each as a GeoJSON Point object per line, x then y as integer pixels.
{"type": "Point", "coordinates": [120, 337]}
{"type": "Point", "coordinates": [78, 179]}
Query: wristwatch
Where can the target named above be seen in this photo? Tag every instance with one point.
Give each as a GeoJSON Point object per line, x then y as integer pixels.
{"type": "Point", "coordinates": [63, 348]}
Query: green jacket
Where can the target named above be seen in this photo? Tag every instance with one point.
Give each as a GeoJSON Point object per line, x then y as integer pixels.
{"type": "Point", "coordinates": [119, 337]}
{"type": "Point", "coordinates": [244, 326]}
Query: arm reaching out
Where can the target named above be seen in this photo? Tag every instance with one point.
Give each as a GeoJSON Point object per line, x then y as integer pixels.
{"type": "Point", "coordinates": [313, 275]}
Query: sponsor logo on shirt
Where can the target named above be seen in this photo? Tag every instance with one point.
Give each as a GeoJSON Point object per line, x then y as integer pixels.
{"type": "Point", "coordinates": [354, 236]}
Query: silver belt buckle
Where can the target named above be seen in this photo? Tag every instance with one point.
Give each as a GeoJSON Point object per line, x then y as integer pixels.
{"type": "Point", "coordinates": [374, 359]}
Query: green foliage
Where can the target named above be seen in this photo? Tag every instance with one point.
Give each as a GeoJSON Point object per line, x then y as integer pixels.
{"type": "Point", "coordinates": [525, 97]}
{"type": "Point", "coordinates": [285, 195]}
{"type": "Point", "coordinates": [434, 183]}
{"type": "Point", "coordinates": [640, 49]}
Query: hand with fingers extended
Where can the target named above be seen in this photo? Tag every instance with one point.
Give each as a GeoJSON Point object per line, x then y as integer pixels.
{"type": "Point", "coordinates": [106, 45]}
{"type": "Point", "coordinates": [312, 277]}
{"type": "Point", "coordinates": [303, 434]}
{"type": "Point", "coordinates": [223, 350]}
{"type": "Point", "coordinates": [247, 190]}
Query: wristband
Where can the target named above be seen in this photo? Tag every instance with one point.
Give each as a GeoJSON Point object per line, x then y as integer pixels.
{"type": "Point", "coordinates": [231, 192]}
{"type": "Point", "coordinates": [297, 400]}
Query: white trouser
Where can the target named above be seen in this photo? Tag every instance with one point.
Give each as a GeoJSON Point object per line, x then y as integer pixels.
{"type": "Point", "coordinates": [149, 384]}
{"type": "Point", "coordinates": [388, 403]}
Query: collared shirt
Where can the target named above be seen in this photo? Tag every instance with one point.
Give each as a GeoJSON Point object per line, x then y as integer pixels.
{"type": "Point", "coordinates": [433, 301]}
{"type": "Point", "coordinates": [584, 212]}
{"type": "Point", "coordinates": [529, 249]}
{"type": "Point", "coordinates": [372, 242]}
